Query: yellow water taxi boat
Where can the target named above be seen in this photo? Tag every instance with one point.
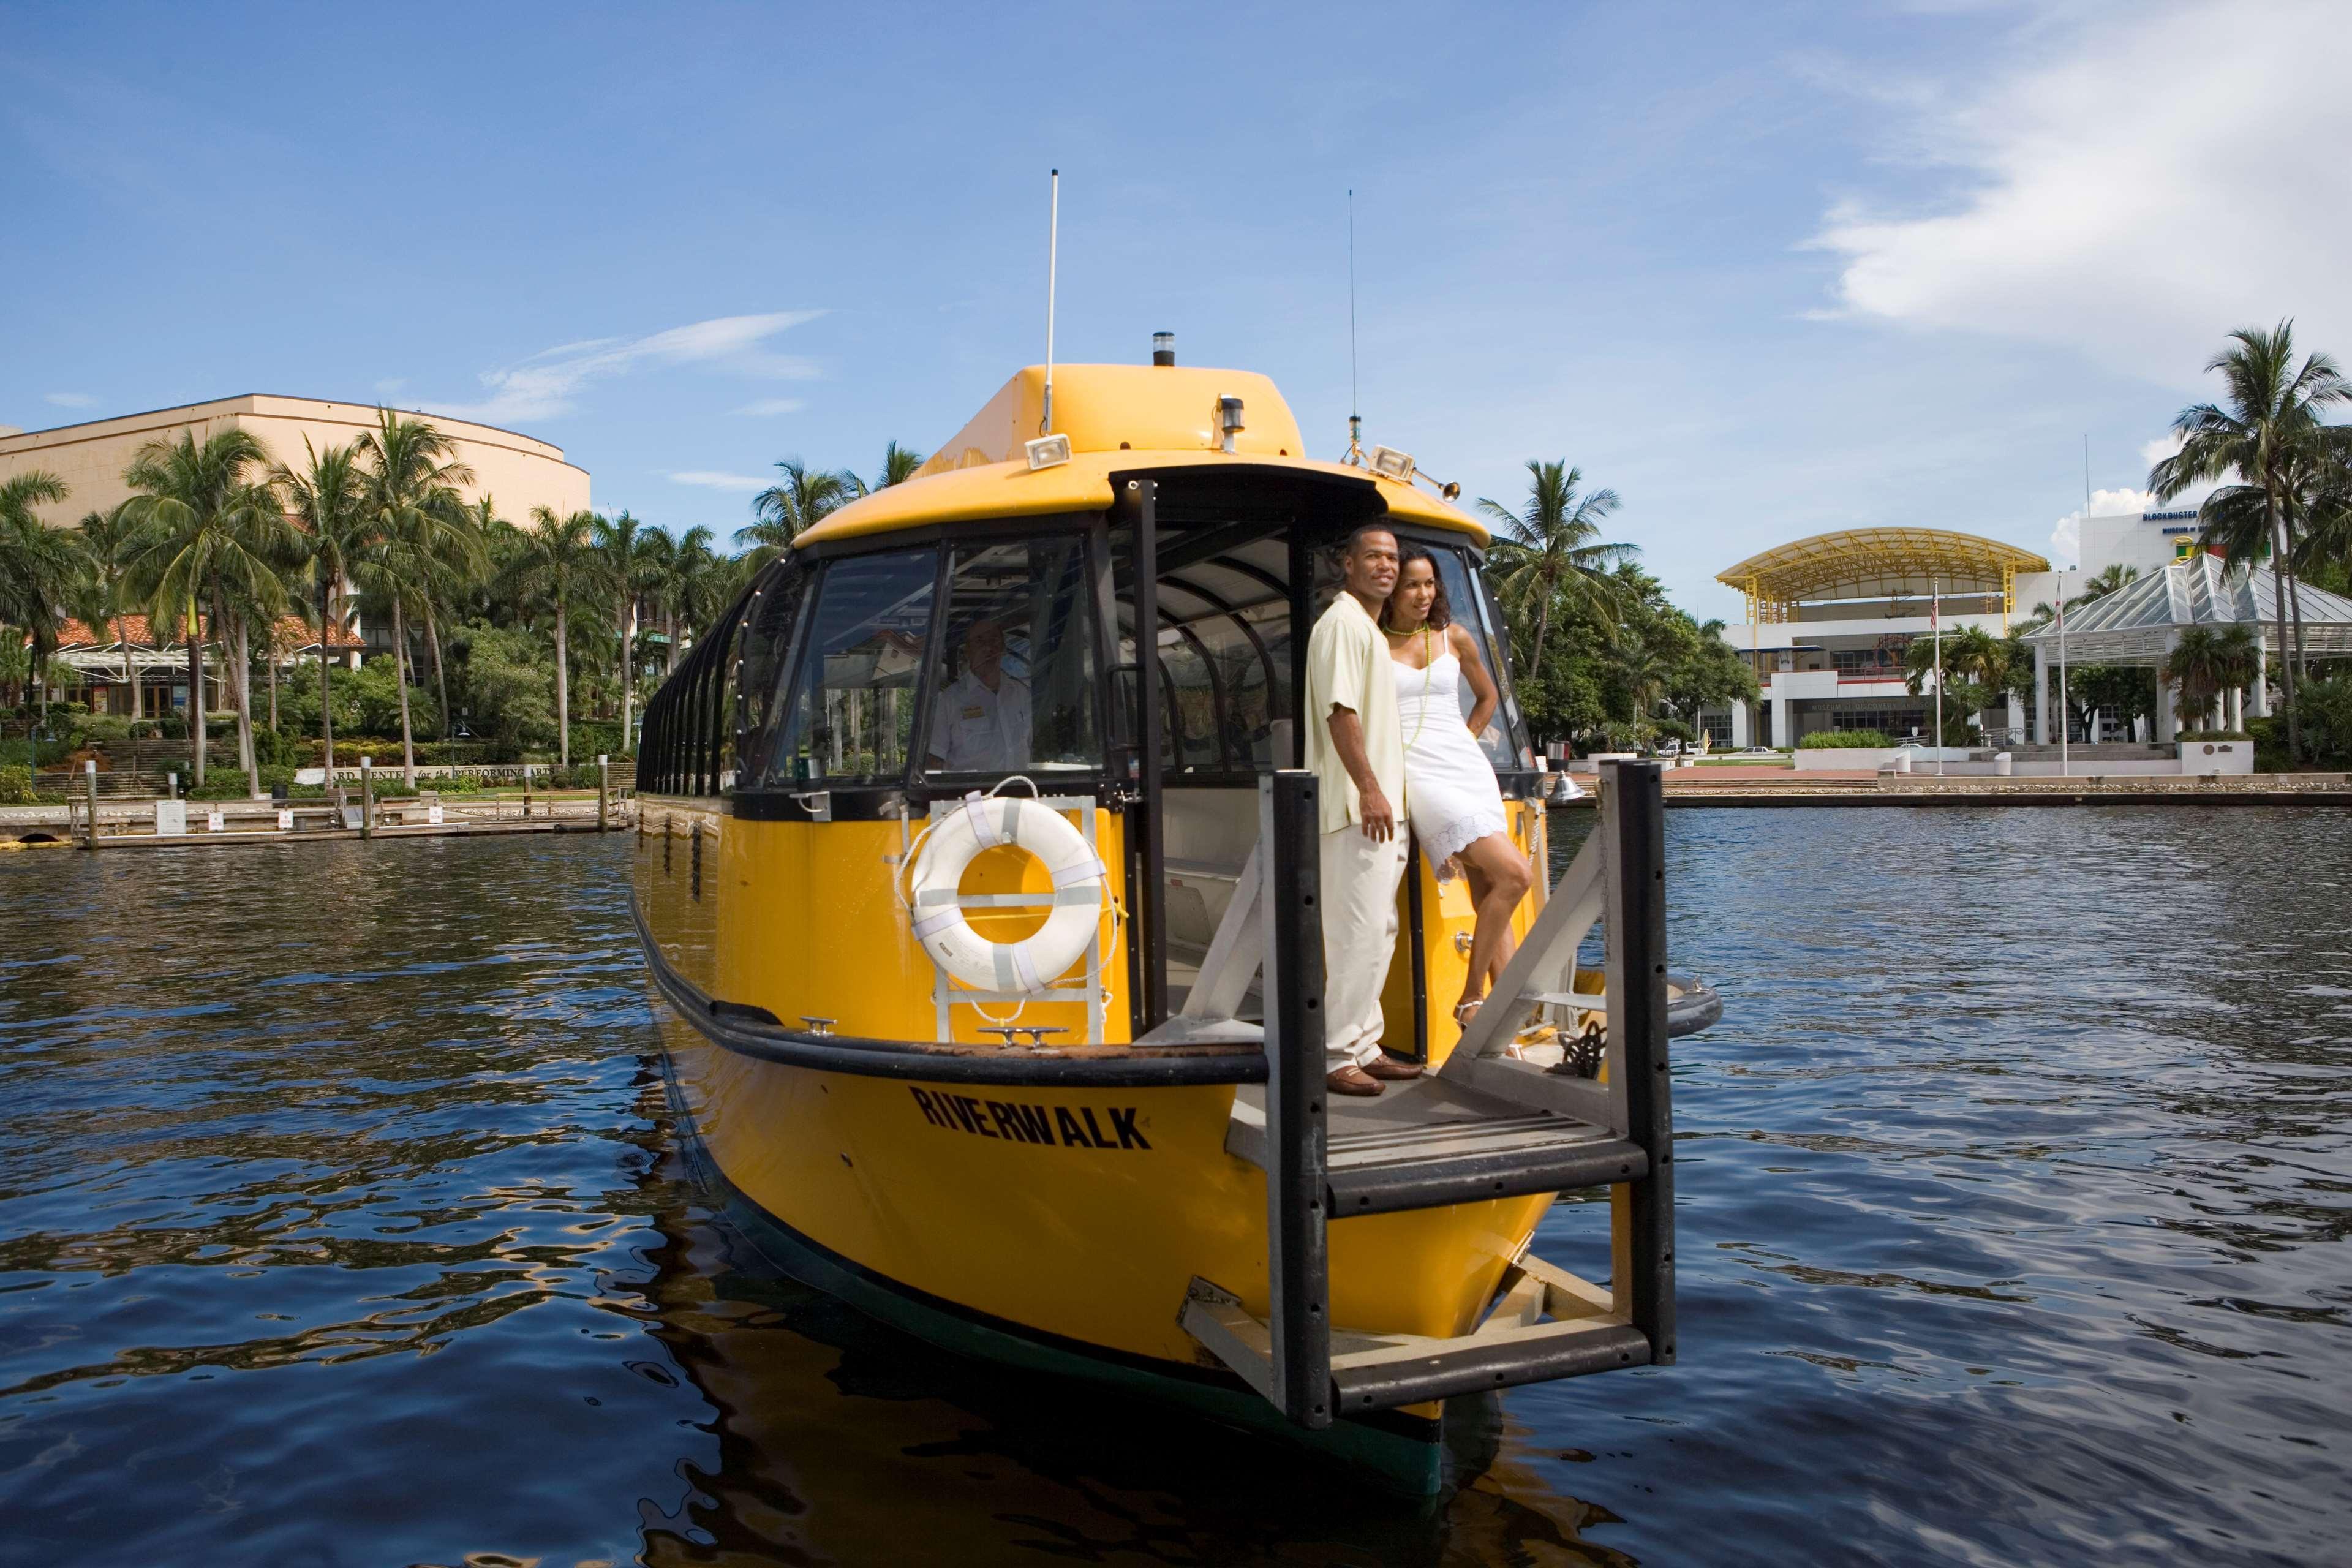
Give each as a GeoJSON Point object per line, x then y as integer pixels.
{"type": "Point", "coordinates": [983, 933]}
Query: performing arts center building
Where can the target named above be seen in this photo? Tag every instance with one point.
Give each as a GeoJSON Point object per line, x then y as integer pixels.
{"type": "Point", "coordinates": [517, 472]}
{"type": "Point", "coordinates": [1830, 618]}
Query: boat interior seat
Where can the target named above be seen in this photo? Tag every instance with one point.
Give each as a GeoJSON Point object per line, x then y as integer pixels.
{"type": "Point", "coordinates": [1210, 834]}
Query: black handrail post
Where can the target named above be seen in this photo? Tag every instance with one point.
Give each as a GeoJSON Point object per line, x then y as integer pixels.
{"type": "Point", "coordinates": [1296, 1191]}
{"type": "Point", "coordinates": [1149, 697]}
{"type": "Point", "coordinates": [1634, 817]}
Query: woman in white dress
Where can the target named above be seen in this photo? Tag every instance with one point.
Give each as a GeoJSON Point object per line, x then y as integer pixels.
{"type": "Point", "coordinates": [1451, 795]}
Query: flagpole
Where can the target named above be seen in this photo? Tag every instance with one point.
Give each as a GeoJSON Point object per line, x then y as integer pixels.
{"type": "Point", "coordinates": [2064, 709]}
{"type": "Point", "coordinates": [1935, 625]}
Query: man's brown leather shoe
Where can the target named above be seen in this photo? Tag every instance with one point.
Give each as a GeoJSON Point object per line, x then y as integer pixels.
{"type": "Point", "coordinates": [1388, 1066]}
{"type": "Point", "coordinates": [1354, 1080]}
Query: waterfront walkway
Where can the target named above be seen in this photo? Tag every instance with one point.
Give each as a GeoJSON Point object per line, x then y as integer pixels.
{"type": "Point", "coordinates": [131, 823]}
{"type": "Point", "coordinates": [1781, 787]}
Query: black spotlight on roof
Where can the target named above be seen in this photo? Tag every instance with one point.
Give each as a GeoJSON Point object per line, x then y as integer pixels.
{"type": "Point", "coordinates": [1163, 348]}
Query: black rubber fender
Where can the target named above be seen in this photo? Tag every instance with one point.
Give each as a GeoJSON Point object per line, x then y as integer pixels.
{"type": "Point", "coordinates": [1696, 1006]}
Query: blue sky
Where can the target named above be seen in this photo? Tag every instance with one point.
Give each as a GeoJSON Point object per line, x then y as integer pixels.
{"type": "Point", "coordinates": [1763, 269]}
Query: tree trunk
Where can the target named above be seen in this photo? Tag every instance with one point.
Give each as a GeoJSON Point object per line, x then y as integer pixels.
{"type": "Point", "coordinates": [400, 679]}
{"type": "Point", "coordinates": [195, 695]}
{"type": "Point", "coordinates": [272, 656]}
{"type": "Point", "coordinates": [326, 687]}
{"type": "Point", "coordinates": [2295, 608]}
{"type": "Point", "coordinates": [1543, 624]}
{"type": "Point", "coordinates": [670, 662]}
{"type": "Point", "coordinates": [129, 669]}
{"type": "Point", "coordinates": [628, 664]}
{"type": "Point", "coordinates": [243, 689]}
{"type": "Point", "coordinates": [2286, 655]}
{"type": "Point", "coordinates": [562, 687]}
{"type": "Point", "coordinates": [440, 675]}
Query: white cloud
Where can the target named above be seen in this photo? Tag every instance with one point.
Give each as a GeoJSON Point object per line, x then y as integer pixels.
{"type": "Point", "coordinates": [544, 386]}
{"type": "Point", "coordinates": [771, 406]}
{"type": "Point", "coordinates": [70, 399]}
{"type": "Point", "coordinates": [710, 479]}
{"type": "Point", "coordinates": [2134, 191]}
{"type": "Point", "coordinates": [390, 384]}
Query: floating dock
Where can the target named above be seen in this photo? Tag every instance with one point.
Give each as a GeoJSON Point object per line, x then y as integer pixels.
{"type": "Point", "coordinates": [134, 824]}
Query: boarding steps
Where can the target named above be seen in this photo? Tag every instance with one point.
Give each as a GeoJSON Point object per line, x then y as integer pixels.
{"type": "Point", "coordinates": [1487, 1125]}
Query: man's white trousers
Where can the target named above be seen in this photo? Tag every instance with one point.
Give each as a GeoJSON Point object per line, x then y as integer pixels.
{"type": "Point", "coordinates": [1360, 931]}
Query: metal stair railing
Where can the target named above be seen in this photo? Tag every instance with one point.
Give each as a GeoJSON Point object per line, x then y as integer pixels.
{"type": "Point", "coordinates": [1545, 1323]}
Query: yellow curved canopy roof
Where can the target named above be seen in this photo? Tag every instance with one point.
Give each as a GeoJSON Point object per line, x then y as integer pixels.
{"type": "Point", "coordinates": [1879, 563]}
{"type": "Point", "coordinates": [1118, 418]}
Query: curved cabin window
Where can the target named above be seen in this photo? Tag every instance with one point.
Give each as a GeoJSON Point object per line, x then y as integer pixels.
{"type": "Point", "coordinates": [771, 616]}
{"type": "Point", "coordinates": [1014, 688]}
{"type": "Point", "coordinates": [848, 716]}
{"type": "Point", "coordinates": [1464, 594]}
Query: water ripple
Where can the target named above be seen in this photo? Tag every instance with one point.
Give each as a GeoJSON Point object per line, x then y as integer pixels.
{"type": "Point", "coordinates": [340, 1222]}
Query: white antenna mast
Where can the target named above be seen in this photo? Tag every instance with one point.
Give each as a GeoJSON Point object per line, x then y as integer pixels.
{"type": "Point", "coordinates": [1355, 419]}
{"type": "Point", "coordinates": [1053, 250]}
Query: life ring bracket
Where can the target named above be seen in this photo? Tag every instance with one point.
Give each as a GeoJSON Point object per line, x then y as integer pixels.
{"type": "Point", "coordinates": [970, 973]}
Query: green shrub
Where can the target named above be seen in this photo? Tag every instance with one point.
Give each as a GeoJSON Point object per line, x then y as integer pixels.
{"type": "Point", "coordinates": [15, 786]}
{"type": "Point", "coordinates": [1845, 740]}
{"type": "Point", "coordinates": [2270, 744]}
{"type": "Point", "coordinates": [2214, 735]}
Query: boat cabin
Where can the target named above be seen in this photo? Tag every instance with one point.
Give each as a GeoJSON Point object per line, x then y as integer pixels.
{"type": "Point", "coordinates": [976, 629]}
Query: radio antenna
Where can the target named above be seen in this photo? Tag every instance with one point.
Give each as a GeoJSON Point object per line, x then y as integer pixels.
{"type": "Point", "coordinates": [1053, 251]}
{"type": "Point", "coordinates": [1355, 419]}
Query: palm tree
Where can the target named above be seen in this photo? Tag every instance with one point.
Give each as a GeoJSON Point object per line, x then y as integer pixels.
{"type": "Point", "coordinates": [334, 530]}
{"type": "Point", "coordinates": [899, 465]}
{"type": "Point", "coordinates": [2271, 429]}
{"type": "Point", "coordinates": [630, 571]}
{"type": "Point", "coordinates": [706, 580]}
{"type": "Point", "coordinates": [1974, 664]}
{"type": "Point", "coordinates": [106, 595]}
{"type": "Point", "coordinates": [657, 553]}
{"type": "Point", "coordinates": [2205, 663]}
{"type": "Point", "coordinates": [558, 562]}
{"type": "Point", "coordinates": [1552, 549]}
{"type": "Point", "coordinates": [417, 518]}
{"type": "Point", "coordinates": [1644, 664]}
{"type": "Point", "coordinates": [206, 531]}
{"type": "Point", "coordinates": [782, 512]}
{"type": "Point", "coordinates": [2109, 579]}
{"type": "Point", "coordinates": [450, 578]}
{"type": "Point", "coordinates": [41, 568]}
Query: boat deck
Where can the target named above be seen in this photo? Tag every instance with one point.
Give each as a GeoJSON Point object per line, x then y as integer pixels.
{"type": "Point", "coordinates": [1429, 1140]}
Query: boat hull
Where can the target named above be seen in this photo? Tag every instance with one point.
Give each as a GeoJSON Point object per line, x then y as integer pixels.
{"type": "Point", "coordinates": [1416, 1452]}
{"type": "Point", "coordinates": [1050, 1224]}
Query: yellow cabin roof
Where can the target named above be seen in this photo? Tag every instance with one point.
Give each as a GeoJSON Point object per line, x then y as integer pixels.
{"type": "Point", "coordinates": [1872, 563]}
{"type": "Point", "coordinates": [1118, 417]}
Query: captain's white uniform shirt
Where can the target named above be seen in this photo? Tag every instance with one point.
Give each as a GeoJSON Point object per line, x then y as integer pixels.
{"type": "Point", "coordinates": [974, 730]}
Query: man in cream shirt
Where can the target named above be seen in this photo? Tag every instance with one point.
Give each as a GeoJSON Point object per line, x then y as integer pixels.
{"type": "Point", "coordinates": [1355, 745]}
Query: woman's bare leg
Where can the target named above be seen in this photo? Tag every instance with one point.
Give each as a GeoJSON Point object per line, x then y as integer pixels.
{"type": "Point", "coordinates": [1499, 879]}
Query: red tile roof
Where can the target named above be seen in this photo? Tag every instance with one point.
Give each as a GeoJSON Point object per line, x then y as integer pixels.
{"type": "Point", "coordinates": [293, 632]}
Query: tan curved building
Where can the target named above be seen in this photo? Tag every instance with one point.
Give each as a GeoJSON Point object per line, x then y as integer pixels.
{"type": "Point", "coordinates": [518, 472]}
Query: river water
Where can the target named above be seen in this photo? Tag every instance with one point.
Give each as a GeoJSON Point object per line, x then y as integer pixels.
{"type": "Point", "coordinates": [339, 1224]}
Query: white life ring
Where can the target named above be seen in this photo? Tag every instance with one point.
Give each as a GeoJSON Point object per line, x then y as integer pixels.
{"type": "Point", "coordinates": [950, 845]}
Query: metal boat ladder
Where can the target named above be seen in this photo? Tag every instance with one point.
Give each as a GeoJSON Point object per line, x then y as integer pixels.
{"type": "Point", "coordinates": [1485, 1126]}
